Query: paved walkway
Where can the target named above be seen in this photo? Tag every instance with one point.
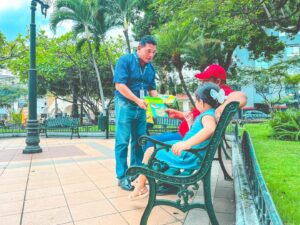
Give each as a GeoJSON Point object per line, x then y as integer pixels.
{"type": "Point", "coordinates": [72, 182]}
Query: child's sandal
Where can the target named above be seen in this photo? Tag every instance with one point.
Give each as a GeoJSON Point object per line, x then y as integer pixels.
{"type": "Point", "coordinates": [143, 193]}
{"type": "Point", "coordinates": [134, 183]}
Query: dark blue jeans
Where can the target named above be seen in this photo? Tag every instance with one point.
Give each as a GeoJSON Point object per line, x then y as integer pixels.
{"type": "Point", "coordinates": [130, 125]}
{"type": "Point", "coordinates": [168, 136]}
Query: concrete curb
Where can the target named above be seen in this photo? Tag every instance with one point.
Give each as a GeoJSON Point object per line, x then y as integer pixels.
{"type": "Point", "coordinates": [245, 208]}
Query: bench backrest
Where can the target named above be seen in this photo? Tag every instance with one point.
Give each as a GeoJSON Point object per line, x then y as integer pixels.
{"type": "Point", "coordinates": [211, 149]}
{"type": "Point", "coordinates": [62, 122]}
{"type": "Point", "coordinates": [166, 121]}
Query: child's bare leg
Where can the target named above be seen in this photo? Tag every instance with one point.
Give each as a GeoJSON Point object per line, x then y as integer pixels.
{"type": "Point", "coordinates": [141, 180]}
{"type": "Point", "coordinates": [148, 154]}
{"type": "Point", "coordinates": [140, 187]}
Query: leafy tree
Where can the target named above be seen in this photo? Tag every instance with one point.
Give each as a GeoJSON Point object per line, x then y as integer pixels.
{"type": "Point", "coordinates": [201, 51]}
{"type": "Point", "coordinates": [172, 42]}
{"type": "Point", "coordinates": [294, 79]}
{"type": "Point", "coordinates": [121, 13]}
{"type": "Point", "coordinates": [283, 15]}
{"type": "Point", "coordinates": [146, 22]}
{"type": "Point", "coordinates": [82, 13]}
{"type": "Point", "coordinates": [10, 50]}
{"type": "Point", "coordinates": [65, 72]}
{"type": "Point", "coordinates": [234, 23]}
{"type": "Point", "coordinates": [9, 94]}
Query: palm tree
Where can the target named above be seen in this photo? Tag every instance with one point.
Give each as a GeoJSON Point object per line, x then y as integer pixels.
{"type": "Point", "coordinates": [202, 51]}
{"type": "Point", "coordinates": [120, 13]}
{"type": "Point", "coordinates": [172, 41]}
{"type": "Point", "coordinates": [82, 13]}
{"type": "Point", "coordinates": [100, 27]}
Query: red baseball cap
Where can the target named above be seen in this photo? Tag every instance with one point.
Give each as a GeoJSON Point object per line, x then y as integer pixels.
{"type": "Point", "coordinates": [213, 70]}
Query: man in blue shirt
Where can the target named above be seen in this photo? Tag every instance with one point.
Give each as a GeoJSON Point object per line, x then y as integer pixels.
{"type": "Point", "coordinates": [134, 79]}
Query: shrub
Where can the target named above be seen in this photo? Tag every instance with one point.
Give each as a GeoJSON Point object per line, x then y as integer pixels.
{"type": "Point", "coordinates": [286, 125]}
{"type": "Point", "coordinates": [16, 118]}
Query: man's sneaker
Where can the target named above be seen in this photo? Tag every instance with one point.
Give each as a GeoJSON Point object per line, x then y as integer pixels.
{"type": "Point", "coordinates": [125, 184]}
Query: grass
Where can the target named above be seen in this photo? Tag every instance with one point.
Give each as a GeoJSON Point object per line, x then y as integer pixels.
{"type": "Point", "coordinates": [6, 130]}
{"type": "Point", "coordinates": [280, 164]}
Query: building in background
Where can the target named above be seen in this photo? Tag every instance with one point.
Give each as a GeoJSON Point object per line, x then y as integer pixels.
{"type": "Point", "coordinates": [242, 58]}
{"type": "Point", "coordinates": [8, 79]}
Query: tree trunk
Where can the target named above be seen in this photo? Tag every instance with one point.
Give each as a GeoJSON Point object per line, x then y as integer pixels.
{"type": "Point", "coordinates": [228, 59]}
{"type": "Point", "coordinates": [164, 83]}
{"type": "Point", "coordinates": [171, 86]}
{"type": "Point", "coordinates": [55, 107]}
{"type": "Point", "coordinates": [185, 87]}
{"type": "Point", "coordinates": [74, 103]}
{"type": "Point", "coordinates": [110, 60]}
{"type": "Point", "coordinates": [98, 78]}
{"type": "Point", "coordinates": [81, 97]}
{"type": "Point", "coordinates": [127, 40]}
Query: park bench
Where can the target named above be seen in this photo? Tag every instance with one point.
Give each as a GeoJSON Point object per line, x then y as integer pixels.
{"type": "Point", "coordinates": [166, 124]}
{"type": "Point", "coordinates": [186, 180]}
{"type": "Point", "coordinates": [69, 123]}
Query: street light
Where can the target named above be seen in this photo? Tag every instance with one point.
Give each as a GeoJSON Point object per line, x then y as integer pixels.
{"type": "Point", "coordinates": [33, 139]}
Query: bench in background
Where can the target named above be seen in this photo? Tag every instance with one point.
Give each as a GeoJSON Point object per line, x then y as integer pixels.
{"type": "Point", "coordinates": [69, 123]}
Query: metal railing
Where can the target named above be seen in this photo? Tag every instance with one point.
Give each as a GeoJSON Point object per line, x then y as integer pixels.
{"type": "Point", "coordinates": [14, 130]}
{"type": "Point", "coordinates": [262, 200]}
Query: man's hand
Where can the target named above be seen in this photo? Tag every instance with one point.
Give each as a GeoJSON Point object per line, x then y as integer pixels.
{"type": "Point", "coordinates": [179, 147]}
{"type": "Point", "coordinates": [141, 103]}
{"type": "Point", "coordinates": [172, 113]}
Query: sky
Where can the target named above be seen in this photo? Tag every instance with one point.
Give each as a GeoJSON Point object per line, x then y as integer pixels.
{"type": "Point", "coordinates": [15, 19]}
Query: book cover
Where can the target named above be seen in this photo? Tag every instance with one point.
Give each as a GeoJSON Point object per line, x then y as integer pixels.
{"type": "Point", "coordinates": [169, 100]}
{"type": "Point", "coordinates": [156, 108]}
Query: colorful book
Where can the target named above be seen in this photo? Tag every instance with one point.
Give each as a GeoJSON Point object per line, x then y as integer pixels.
{"type": "Point", "coordinates": [156, 108]}
{"type": "Point", "coordinates": [169, 100]}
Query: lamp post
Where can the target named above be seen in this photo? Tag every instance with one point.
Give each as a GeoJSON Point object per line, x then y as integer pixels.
{"type": "Point", "coordinates": [33, 139]}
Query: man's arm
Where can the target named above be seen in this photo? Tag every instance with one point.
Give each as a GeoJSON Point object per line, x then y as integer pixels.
{"type": "Point", "coordinates": [126, 92]}
{"type": "Point", "coordinates": [237, 96]}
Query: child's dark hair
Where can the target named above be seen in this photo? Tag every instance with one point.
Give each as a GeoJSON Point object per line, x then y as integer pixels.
{"type": "Point", "coordinates": [203, 92]}
{"type": "Point", "coordinates": [148, 39]}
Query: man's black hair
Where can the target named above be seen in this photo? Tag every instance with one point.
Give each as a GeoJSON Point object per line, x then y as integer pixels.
{"type": "Point", "coordinates": [148, 39]}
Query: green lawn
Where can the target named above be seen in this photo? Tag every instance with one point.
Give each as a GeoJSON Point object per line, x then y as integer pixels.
{"type": "Point", "coordinates": [6, 130]}
{"type": "Point", "coordinates": [280, 165]}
